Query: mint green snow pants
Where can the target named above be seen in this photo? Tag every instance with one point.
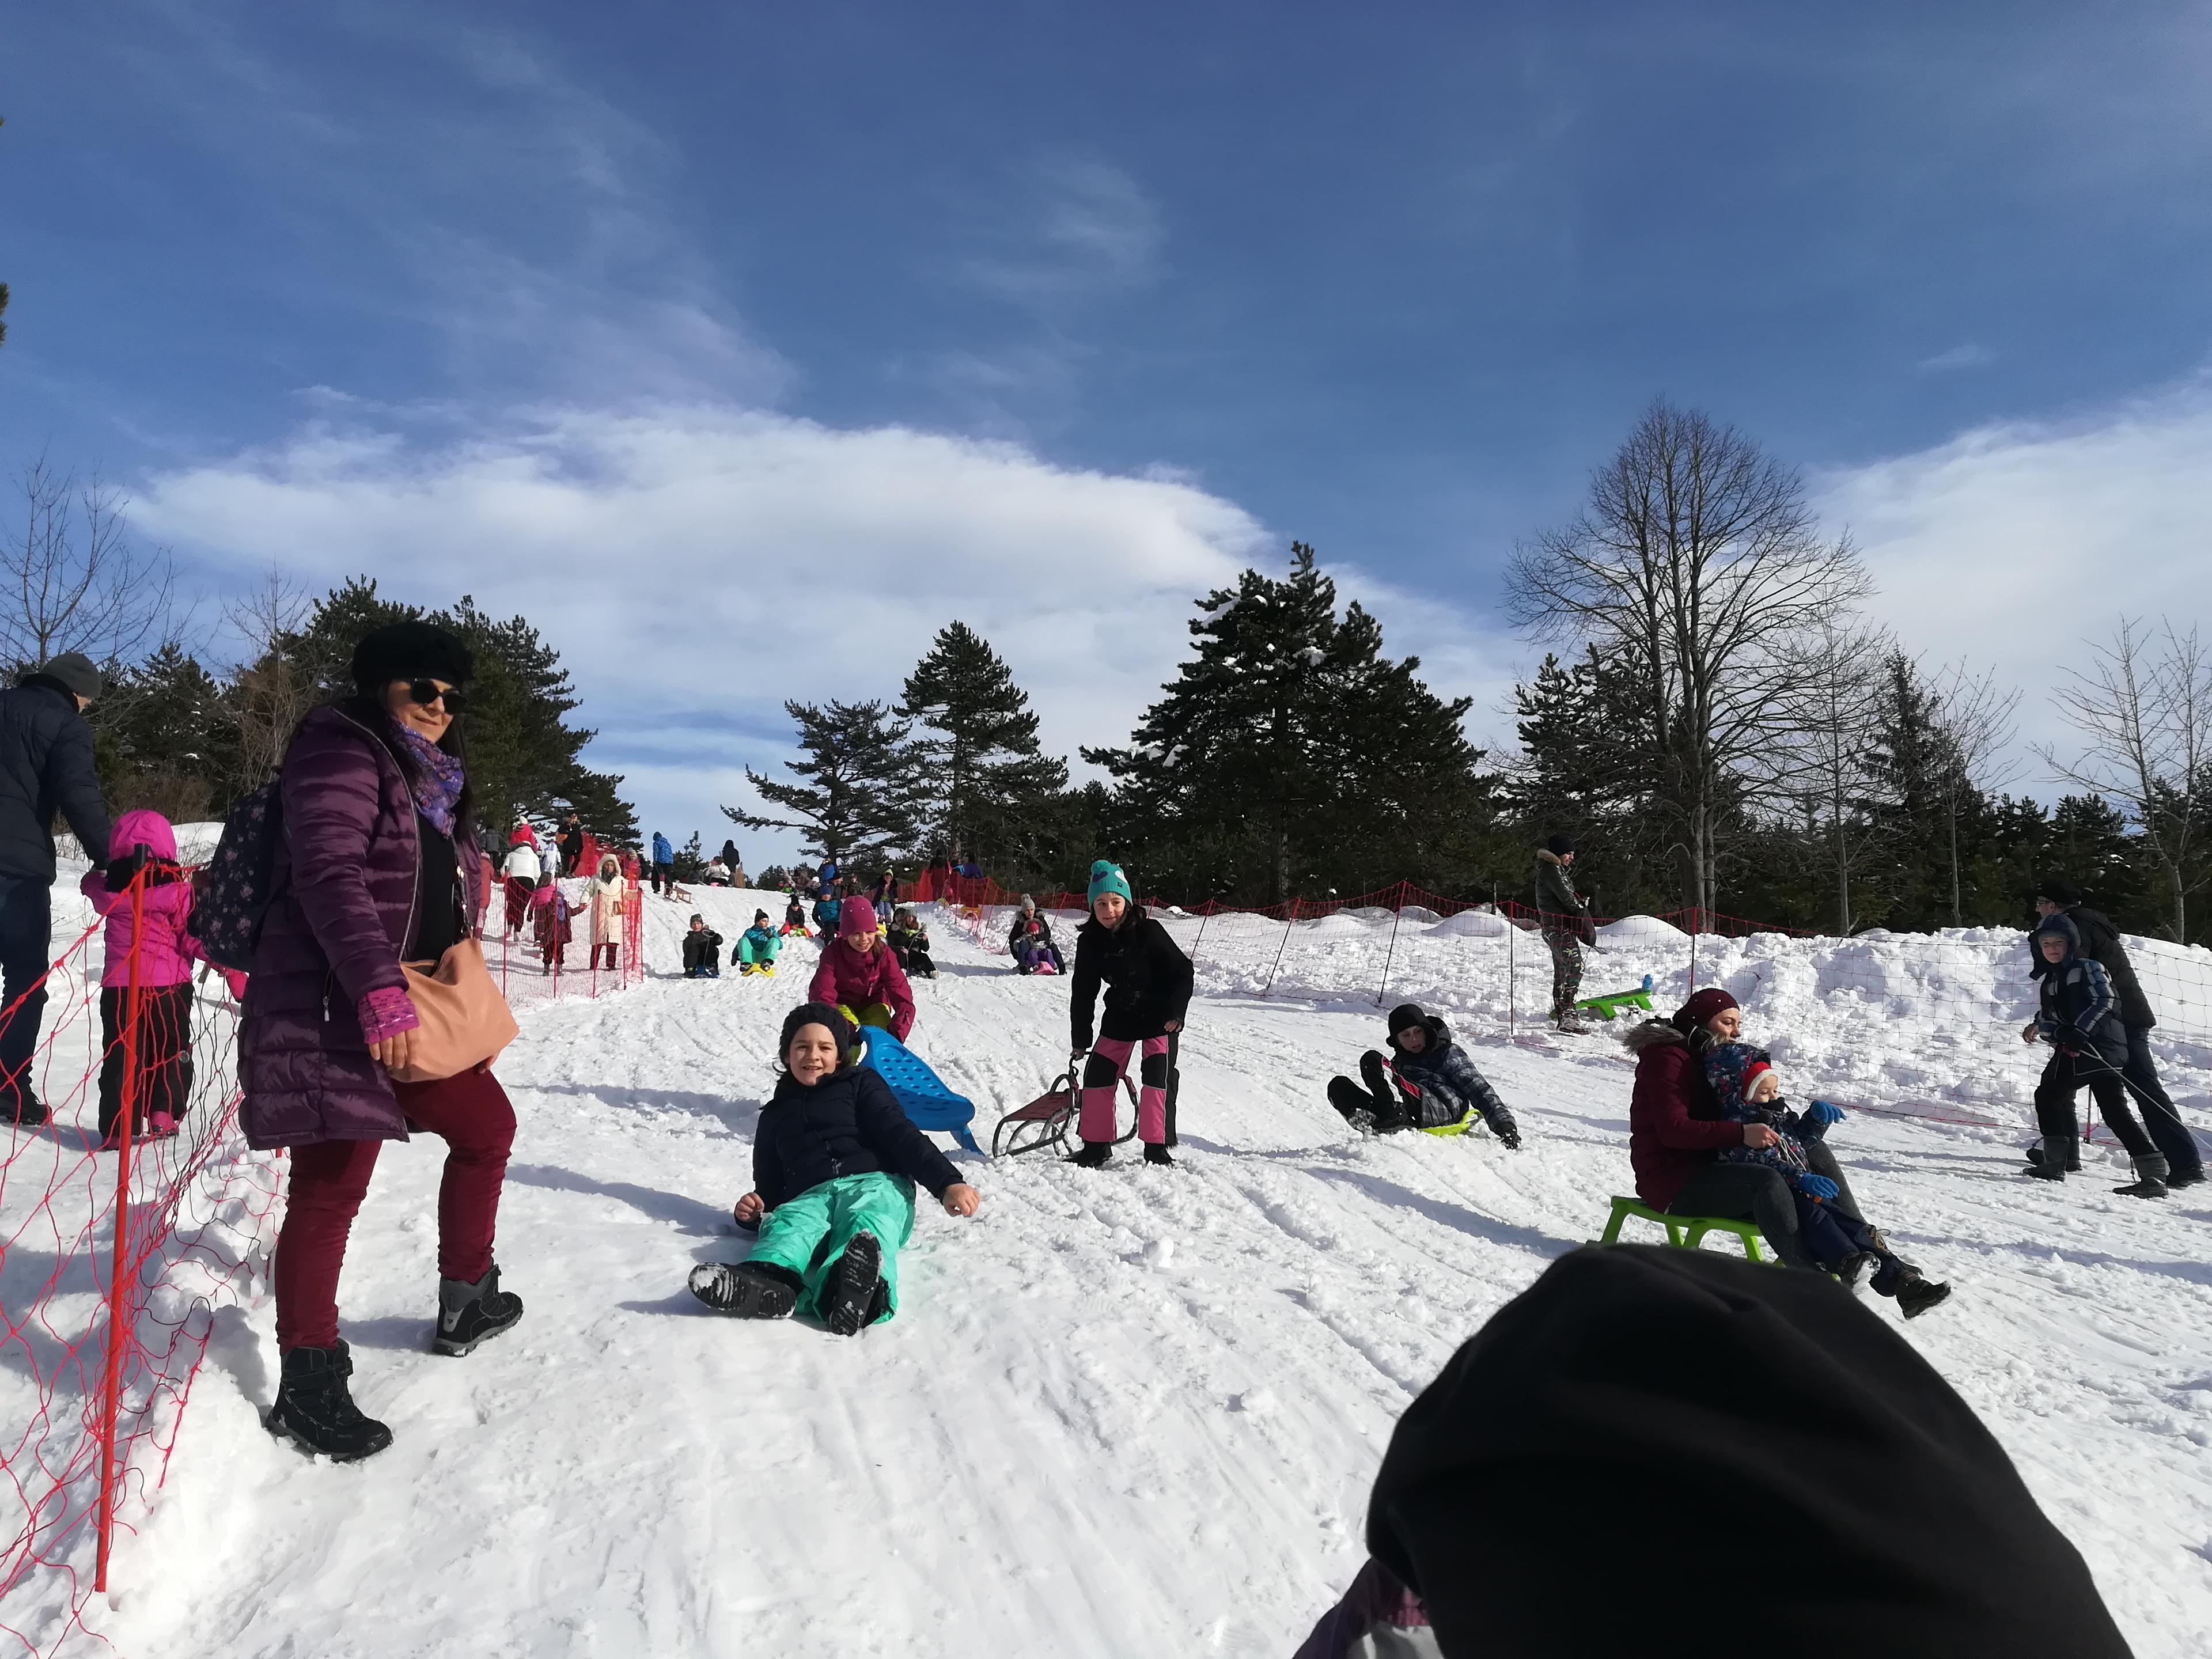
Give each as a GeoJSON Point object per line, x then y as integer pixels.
{"type": "Point", "coordinates": [806, 1235]}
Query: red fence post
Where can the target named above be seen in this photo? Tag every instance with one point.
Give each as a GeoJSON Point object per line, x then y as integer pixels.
{"type": "Point", "coordinates": [112, 1389]}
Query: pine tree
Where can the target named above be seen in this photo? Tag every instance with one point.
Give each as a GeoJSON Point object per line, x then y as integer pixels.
{"type": "Point", "coordinates": [164, 738]}
{"type": "Point", "coordinates": [988, 778]}
{"type": "Point", "coordinates": [1289, 752]}
{"type": "Point", "coordinates": [857, 797]}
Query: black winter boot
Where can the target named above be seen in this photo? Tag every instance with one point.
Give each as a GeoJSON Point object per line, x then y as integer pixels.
{"type": "Point", "coordinates": [853, 1284]}
{"type": "Point", "coordinates": [746, 1289]}
{"type": "Point", "coordinates": [2185, 1178]}
{"type": "Point", "coordinates": [1094, 1154]}
{"type": "Point", "coordinates": [2150, 1178]}
{"type": "Point", "coordinates": [470, 1314]}
{"type": "Point", "coordinates": [315, 1408]}
{"type": "Point", "coordinates": [1916, 1296]}
{"type": "Point", "coordinates": [20, 1107]}
{"type": "Point", "coordinates": [2054, 1158]}
{"type": "Point", "coordinates": [1155, 1152]}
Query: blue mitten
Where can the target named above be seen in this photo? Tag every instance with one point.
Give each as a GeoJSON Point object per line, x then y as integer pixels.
{"type": "Point", "coordinates": [1824, 1112]}
{"type": "Point", "coordinates": [1813, 1185]}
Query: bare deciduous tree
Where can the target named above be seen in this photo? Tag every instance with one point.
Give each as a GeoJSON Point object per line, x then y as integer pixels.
{"type": "Point", "coordinates": [1835, 709]}
{"type": "Point", "coordinates": [272, 687]}
{"type": "Point", "coordinates": [1696, 563]}
{"type": "Point", "coordinates": [2144, 710]}
{"type": "Point", "coordinates": [75, 579]}
{"type": "Point", "coordinates": [1973, 717]}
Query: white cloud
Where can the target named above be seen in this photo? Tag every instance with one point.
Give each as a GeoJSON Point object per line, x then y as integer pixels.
{"type": "Point", "coordinates": [2011, 543]}
{"type": "Point", "coordinates": [1081, 228]}
{"type": "Point", "coordinates": [1968, 355]}
{"type": "Point", "coordinates": [696, 565]}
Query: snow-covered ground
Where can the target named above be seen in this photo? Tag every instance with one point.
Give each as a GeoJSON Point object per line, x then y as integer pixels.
{"type": "Point", "coordinates": [1133, 1412]}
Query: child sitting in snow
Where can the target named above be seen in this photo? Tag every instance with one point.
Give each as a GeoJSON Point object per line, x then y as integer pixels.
{"type": "Point", "coordinates": [909, 943]}
{"type": "Point", "coordinates": [835, 1164]}
{"type": "Point", "coordinates": [702, 950]}
{"type": "Point", "coordinates": [757, 945]}
{"type": "Point", "coordinates": [1427, 1083]}
{"type": "Point", "coordinates": [1749, 1091]}
{"type": "Point", "coordinates": [794, 918]}
{"type": "Point", "coordinates": [1029, 941]}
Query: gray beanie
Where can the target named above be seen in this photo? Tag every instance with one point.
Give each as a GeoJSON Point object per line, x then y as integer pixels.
{"type": "Point", "coordinates": [75, 670]}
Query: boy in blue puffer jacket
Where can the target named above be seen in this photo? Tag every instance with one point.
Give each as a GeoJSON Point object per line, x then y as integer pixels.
{"type": "Point", "coordinates": [2080, 1018]}
{"type": "Point", "coordinates": [835, 1160]}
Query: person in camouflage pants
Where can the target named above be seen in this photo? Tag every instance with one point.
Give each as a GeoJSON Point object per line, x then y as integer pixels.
{"type": "Point", "coordinates": [1563, 917]}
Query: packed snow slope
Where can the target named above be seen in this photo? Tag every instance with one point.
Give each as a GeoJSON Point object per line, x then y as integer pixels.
{"type": "Point", "coordinates": [1133, 1412]}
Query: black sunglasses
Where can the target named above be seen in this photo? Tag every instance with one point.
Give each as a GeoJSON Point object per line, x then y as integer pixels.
{"type": "Point", "coordinates": [426, 692]}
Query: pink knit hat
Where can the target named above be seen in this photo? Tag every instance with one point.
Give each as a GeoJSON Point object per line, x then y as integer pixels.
{"type": "Point", "coordinates": [856, 917]}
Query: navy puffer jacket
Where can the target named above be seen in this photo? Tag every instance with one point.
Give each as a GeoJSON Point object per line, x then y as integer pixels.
{"type": "Point", "coordinates": [850, 1123]}
{"type": "Point", "coordinates": [45, 769]}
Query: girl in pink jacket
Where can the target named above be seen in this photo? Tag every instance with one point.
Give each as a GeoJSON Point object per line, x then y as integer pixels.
{"type": "Point", "coordinates": [860, 974]}
{"type": "Point", "coordinates": [144, 848]}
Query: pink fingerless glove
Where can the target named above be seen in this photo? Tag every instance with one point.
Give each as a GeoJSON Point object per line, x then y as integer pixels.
{"type": "Point", "coordinates": [386, 1012]}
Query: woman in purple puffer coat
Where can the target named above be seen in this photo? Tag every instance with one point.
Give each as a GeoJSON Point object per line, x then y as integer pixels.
{"type": "Point", "coordinates": [377, 865]}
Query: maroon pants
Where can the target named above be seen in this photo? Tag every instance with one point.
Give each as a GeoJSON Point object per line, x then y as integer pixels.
{"type": "Point", "coordinates": [330, 1179]}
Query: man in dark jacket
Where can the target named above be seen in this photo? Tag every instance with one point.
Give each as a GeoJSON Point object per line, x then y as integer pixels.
{"type": "Point", "coordinates": [1564, 916]}
{"type": "Point", "coordinates": [1899, 1528]}
{"type": "Point", "coordinates": [46, 769]}
{"type": "Point", "coordinates": [2101, 943]}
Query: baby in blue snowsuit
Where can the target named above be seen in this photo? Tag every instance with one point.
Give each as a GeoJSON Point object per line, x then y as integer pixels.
{"type": "Point", "coordinates": [1749, 1089]}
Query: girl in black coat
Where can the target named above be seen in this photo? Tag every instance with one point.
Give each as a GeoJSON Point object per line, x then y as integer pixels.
{"type": "Point", "coordinates": [1148, 985]}
{"type": "Point", "coordinates": [835, 1160]}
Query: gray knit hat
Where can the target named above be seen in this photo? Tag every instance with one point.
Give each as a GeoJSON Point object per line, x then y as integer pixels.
{"type": "Point", "coordinates": [75, 670]}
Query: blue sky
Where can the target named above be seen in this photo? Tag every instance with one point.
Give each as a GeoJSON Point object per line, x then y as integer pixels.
{"type": "Point", "coordinates": [744, 346]}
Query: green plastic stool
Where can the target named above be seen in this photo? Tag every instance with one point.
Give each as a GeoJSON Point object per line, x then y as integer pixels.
{"type": "Point", "coordinates": [1687, 1231]}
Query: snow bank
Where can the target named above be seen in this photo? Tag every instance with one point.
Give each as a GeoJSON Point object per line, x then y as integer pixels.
{"type": "Point", "coordinates": [1641, 930]}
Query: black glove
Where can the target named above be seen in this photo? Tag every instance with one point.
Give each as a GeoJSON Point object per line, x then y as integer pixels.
{"type": "Point", "coordinates": [121, 871]}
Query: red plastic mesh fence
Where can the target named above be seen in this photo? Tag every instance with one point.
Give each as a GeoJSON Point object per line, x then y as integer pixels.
{"type": "Point", "coordinates": [114, 1263]}
{"type": "Point", "coordinates": [92, 1384]}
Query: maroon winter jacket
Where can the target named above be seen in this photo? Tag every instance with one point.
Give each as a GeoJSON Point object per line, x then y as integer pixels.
{"type": "Point", "coordinates": [1674, 1127]}
{"type": "Point", "coordinates": [343, 907]}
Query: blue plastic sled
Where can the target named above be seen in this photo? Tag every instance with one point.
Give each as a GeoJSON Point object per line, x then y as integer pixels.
{"type": "Point", "coordinates": [929, 1104]}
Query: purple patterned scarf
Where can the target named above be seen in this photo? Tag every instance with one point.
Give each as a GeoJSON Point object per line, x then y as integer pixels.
{"type": "Point", "coordinates": [437, 785]}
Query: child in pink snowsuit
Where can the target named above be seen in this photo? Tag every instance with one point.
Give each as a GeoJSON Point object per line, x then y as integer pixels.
{"type": "Point", "coordinates": [144, 846]}
{"type": "Point", "coordinates": [860, 972]}
{"type": "Point", "coordinates": [1148, 985]}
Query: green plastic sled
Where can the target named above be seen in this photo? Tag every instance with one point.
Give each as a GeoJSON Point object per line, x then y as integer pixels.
{"type": "Point", "coordinates": [1606, 1007]}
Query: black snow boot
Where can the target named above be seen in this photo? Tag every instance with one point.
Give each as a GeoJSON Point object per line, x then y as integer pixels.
{"type": "Point", "coordinates": [1849, 1269]}
{"type": "Point", "coordinates": [1916, 1296]}
{"type": "Point", "coordinates": [2054, 1158]}
{"type": "Point", "coordinates": [746, 1289]}
{"type": "Point", "coordinates": [470, 1314]}
{"type": "Point", "coordinates": [20, 1107]}
{"type": "Point", "coordinates": [1094, 1154]}
{"type": "Point", "coordinates": [315, 1408]}
{"type": "Point", "coordinates": [1155, 1152]}
{"type": "Point", "coordinates": [2073, 1151]}
{"type": "Point", "coordinates": [2185, 1177]}
{"type": "Point", "coordinates": [853, 1283]}
{"type": "Point", "coordinates": [2150, 1178]}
